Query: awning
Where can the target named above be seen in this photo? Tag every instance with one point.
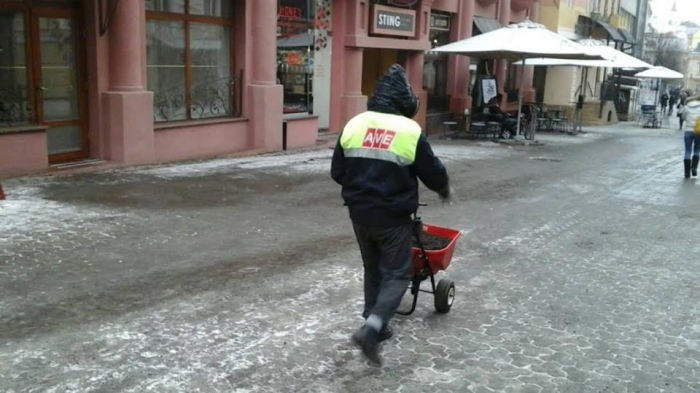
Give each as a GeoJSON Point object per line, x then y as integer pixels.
{"type": "Point", "coordinates": [612, 32]}
{"type": "Point", "coordinates": [627, 36]}
{"type": "Point", "coordinates": [484, 25]}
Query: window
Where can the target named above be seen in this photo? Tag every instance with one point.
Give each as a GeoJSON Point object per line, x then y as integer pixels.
{"type": "Point", "coordinates": [189, 59]}
{"type": "Point", "coordinates": [14, 95]}
{"type": "Point", "coordinates": [295, 53]}
{"type": "Point", "coordinates": [435, 74]}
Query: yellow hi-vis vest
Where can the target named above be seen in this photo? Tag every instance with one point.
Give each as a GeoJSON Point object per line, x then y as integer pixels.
{"type": "Point", "coordinates": [381, 136]}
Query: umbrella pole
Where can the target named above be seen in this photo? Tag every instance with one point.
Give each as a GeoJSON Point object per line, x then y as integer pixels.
{"type": "Point", "coordinates": [656, 97]}
{"type": "Point", "coordinates": [520, 100]}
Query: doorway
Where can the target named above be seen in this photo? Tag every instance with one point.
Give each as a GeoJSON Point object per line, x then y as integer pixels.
{"type": "Point", "coordinates": [375, 63]}
{"type": "Point", "coordinates": [42, 73]}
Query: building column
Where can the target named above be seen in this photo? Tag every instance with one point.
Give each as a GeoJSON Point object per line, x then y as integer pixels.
{"type": "Point", "coordinates": [348, 21]}
{"type": "Point", "coordinates": [458, 64]}
{"type": "Point", "coordinates": [416, 59]}
{"type": "Point", "coordinates": [128, 106]}
{"type": "Point", "coordinates": [502, 65]}
{"type": "Point", "coordinates": [529, 93]}
{"type": "Point", "coordinates": [266, 97]}
{"type": "Point", "coordinates": [352, 102]}
{"type": "Point", "coordinates": [414, 73]}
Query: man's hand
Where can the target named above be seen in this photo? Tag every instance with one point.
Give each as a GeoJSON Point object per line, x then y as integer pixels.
{"type": "Point", "coordinates": [447, 196]}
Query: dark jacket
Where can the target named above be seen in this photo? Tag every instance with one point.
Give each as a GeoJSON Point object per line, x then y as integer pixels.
{"type": "Point", "coordinates": [377, 191]}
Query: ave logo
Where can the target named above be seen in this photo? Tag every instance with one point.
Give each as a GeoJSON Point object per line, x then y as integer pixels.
{"type": "Point", "coordinates": [378, 138]}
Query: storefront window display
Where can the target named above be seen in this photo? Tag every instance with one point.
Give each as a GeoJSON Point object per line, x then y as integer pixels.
{"type": "Point", "coordinates": [295, 53]}
{"type": "Point", "coordinates": [189, 59]}
{"type": "Point", "coordinates": [435, 66]}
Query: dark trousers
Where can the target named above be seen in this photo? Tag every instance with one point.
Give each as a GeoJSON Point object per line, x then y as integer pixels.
{"type": "Point", "coordinates": [386, 255]}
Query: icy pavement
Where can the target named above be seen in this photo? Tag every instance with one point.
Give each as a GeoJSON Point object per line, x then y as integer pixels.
{"type": "Point", "coordinates": [576, 272]}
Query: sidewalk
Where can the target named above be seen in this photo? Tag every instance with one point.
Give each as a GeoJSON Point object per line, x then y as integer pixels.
{"type": "Point", "coordinates": [242, 274]}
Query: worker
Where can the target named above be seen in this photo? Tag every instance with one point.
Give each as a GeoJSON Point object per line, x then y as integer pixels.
{"type": "Point", "coordinates": [378, 159]}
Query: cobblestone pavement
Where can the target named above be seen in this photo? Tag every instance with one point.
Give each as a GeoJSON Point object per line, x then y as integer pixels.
{"type": "Point", "coordinates": [577, 271]}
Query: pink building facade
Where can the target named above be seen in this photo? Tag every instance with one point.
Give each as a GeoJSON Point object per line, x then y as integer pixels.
{"type": "Point", "coordinates": [355, 44]}
{"type": "Point", "coordinates": [146, 81]}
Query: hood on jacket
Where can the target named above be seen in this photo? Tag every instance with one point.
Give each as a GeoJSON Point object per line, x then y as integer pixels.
{"type": "Point", "coordinates": [693, 103]}
{"type": "Point", "coordinates": [393, 94]}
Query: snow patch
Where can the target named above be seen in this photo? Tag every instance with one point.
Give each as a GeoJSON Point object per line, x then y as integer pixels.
{"type": "Point", "coordinates": [311, 160]}
{"type": "Point", "coordinates": [563, 139]}
{"type": "Point", "coordinates": [26, 211]}
{"type": "Point", "coordinates": [480, 151]}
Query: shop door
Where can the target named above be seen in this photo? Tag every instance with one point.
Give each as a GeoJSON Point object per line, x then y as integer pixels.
{"type": "Point", "coordinates": [58, 84]}
{"type": "Point", "coordinates": [375, 63]}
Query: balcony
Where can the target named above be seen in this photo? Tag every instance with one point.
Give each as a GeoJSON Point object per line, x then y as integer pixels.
{"type": "Point", "coordinates": [487, 2]}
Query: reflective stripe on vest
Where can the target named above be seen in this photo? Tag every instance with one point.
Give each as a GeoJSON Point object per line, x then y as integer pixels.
{"type": "Point", "coordinates": [381, 136]}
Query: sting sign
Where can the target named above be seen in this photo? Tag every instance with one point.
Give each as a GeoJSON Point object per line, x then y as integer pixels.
{"type": "Point", "coordinates": [393, 21]}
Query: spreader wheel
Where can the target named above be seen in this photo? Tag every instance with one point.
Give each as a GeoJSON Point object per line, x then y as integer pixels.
{"type": "Point", "coordinates": [444, 296]}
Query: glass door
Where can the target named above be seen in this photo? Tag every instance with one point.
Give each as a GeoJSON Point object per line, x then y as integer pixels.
{"type": "Point", "coordinates": [58, 86]}
{"type": "Point", "coordinates": [15, 98]}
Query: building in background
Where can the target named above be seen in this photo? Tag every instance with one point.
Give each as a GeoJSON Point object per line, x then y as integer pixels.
{"type": "Point", "coordinates": [692, 66]}
{"type": "Point", "coordinates": [617, 23]}
{"type": "Point", "coordinates": [370, 35]}
{"type": "Point", "coordinates": [143, 81]}
{"type": "Point", "coordinates": [692, 74]}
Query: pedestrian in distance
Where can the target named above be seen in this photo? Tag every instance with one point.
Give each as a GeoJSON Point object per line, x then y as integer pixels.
{"type": "Point", "coordinates": [679, 113]}
{"type": "Point", "coordinates": [691, 136]}
{"type": "Point", "coordinates": [664, 103]}
{"type": "Point", "coordinates": [671, 104]}
{"type": "Point", "coordinates": [378, 159]}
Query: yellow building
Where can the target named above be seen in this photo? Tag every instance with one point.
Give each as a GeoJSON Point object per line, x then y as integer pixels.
{"type": "Point", "coordinates": [694, 41]}
{"type": "Point", "coordinates": [692, 75]}
{"type": "Point", "coordinates": [613, 22]}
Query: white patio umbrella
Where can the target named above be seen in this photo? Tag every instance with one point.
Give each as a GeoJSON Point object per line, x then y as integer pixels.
{"type": "Point", "coordinates": [613, 59]}
{"type": "Point", "coordinates": [659, 73]}
{"type": "Point", "coordinates": [520, 41]}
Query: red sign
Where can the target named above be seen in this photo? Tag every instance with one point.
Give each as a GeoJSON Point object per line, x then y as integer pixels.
{"type": "Point", "coordinates": [289, 12]}
{"type": "Point", "coordinates": [378, 139]}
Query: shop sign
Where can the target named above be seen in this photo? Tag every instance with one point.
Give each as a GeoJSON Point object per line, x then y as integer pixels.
{"type": "Point", "coordinates": [440, 22]}
{"type": "Point", "coordinates": [293, 18]}
{"type": "Point", "coordinates": [393, 21]}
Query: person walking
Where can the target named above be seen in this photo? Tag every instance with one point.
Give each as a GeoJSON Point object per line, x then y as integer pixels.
{"type": "Point", "coordinates": [679, 113]}
{"type": "Point", "coordinates": [664, 103]}
{"type": "Point", "coordinates": [691, 136]}
{"type": "Point", "coordinates": [378, 159]}
{"type": "Point", "coordinates": [671, 103]}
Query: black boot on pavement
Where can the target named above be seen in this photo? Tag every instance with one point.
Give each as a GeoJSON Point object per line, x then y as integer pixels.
{"type": "Point", "coordinates": [367, 339]}
{"type": "Point", "coordinates": [686, 166]}
{"type": "Point", "coordinates": [694, 165]}
{"type": "Point", "coordinates": [386, 333]}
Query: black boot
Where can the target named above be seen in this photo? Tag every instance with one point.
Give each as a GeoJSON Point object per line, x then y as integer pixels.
{"type": "Point", "coordinates": [368, 340]}
{"type": "Point", "coordinates": [694, 165]}
{"type": "Point", "coordinates": [686, 165]}
{"type": "Point", "coordinates": [386, 333]}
